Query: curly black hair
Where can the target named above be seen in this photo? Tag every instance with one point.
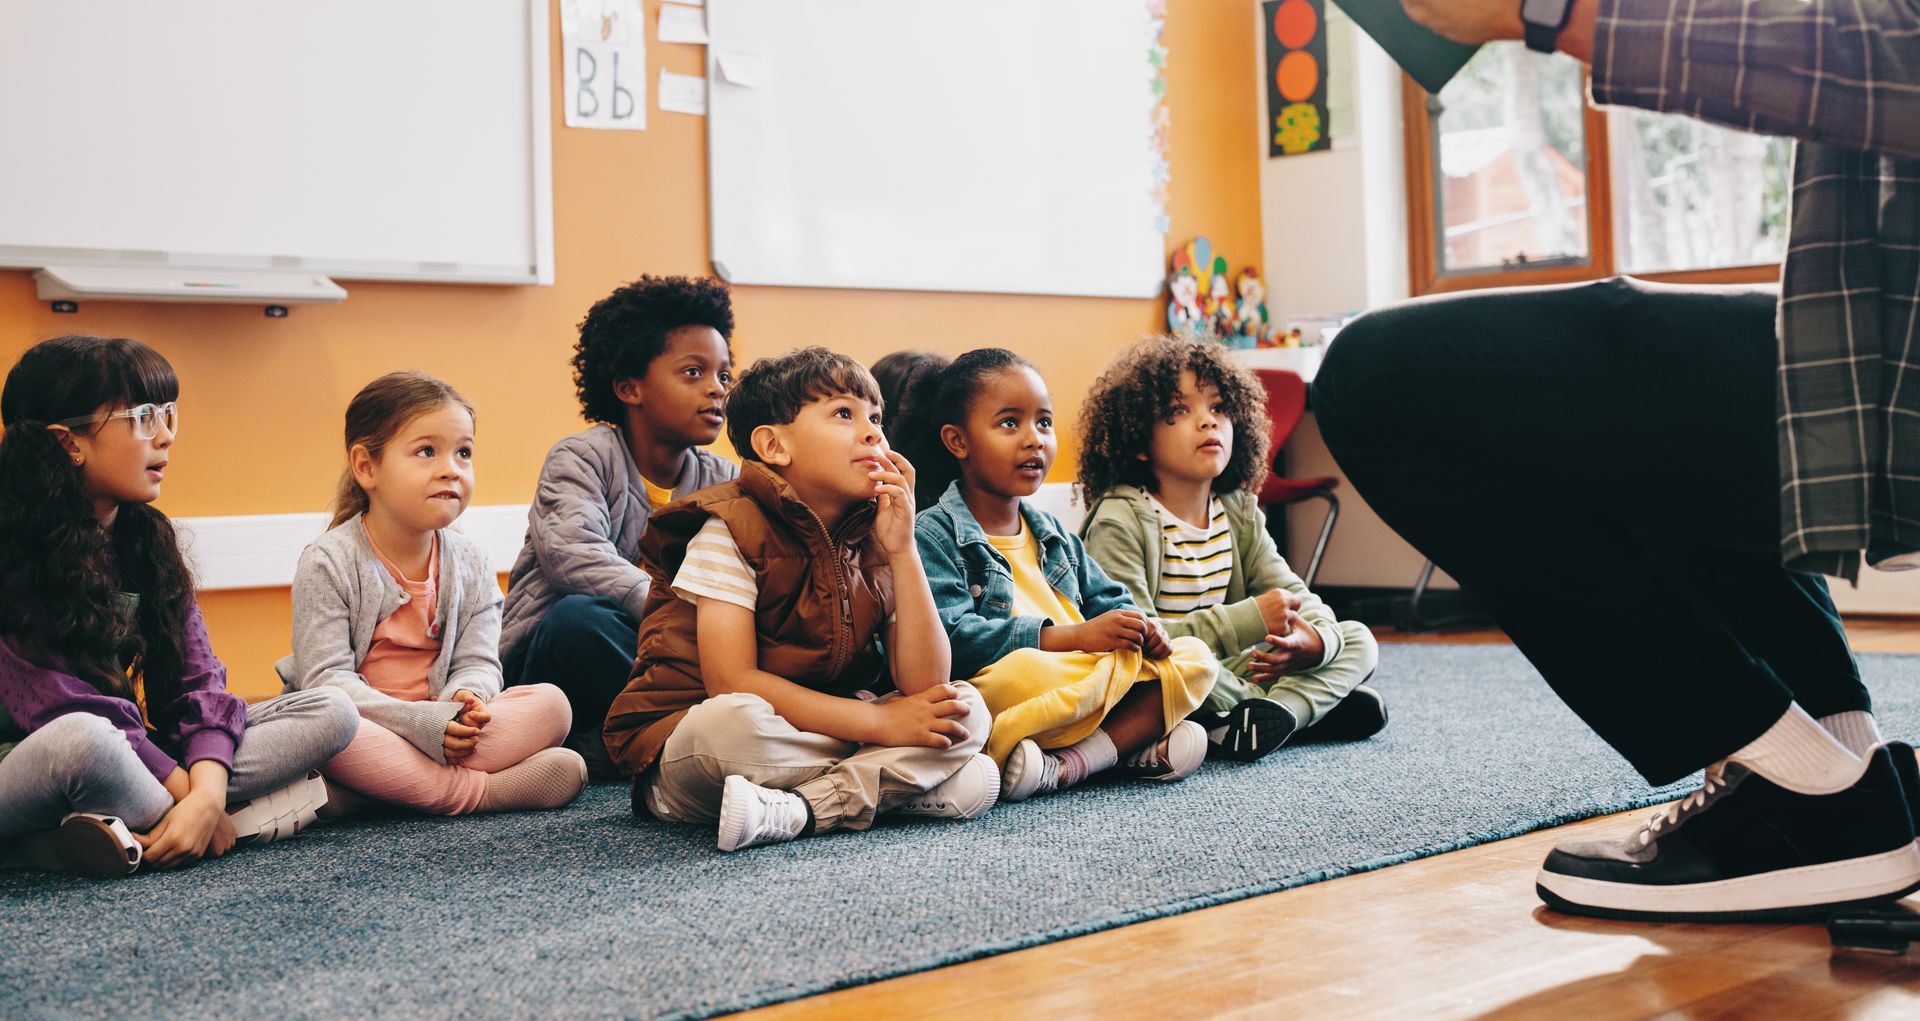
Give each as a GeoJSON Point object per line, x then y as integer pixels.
{"type": "Point", "coordinates": [625, 331]}
{"type": "Point", "coordinates": [60, 571]}
{"type": "Point", "coordinates": [1138, 387]}
{"type": "Point", "coordinates": [942, 396]}
{"type": "Point", "coordinates": [773, 390]}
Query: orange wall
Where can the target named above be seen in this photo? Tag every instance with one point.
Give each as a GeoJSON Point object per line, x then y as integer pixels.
{"type": "Point", "coordinates": [262, 399]}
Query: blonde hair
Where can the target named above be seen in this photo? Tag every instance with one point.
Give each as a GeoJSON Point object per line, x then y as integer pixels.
{"type": "Point", "coordinates": [375, 414]}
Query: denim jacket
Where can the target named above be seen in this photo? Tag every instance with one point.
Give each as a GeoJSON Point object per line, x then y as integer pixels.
{"type": "Point", "coordinates": [973, 584]}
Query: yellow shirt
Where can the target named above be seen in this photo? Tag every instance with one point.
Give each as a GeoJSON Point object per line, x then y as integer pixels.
{"type": "Point", "coordinates": [1032, 596]}
{"type": "Point", "coordinates": [655, 495]}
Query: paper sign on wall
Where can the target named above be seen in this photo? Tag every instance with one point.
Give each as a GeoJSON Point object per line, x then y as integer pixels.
{"type": "Point", "coordinates": [682, 24]}
{"type": "Point", "coordinates": [739, 67]}
{"type": "Point", "coordinates": [604, 47]}
{"type": "Point", "coordinates": [683, 93]}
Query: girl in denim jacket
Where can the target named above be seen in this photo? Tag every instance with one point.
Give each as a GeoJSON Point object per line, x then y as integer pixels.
{"type": "Point", "coordinates": [1076, 675]}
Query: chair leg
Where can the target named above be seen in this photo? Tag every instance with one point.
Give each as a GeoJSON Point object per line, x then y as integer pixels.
{"type": "Point", "coordinates": [1326, 533]}
{"type": "Point", "coordinates": [1416, 622]}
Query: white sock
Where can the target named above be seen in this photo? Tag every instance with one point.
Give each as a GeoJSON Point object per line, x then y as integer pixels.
{"type": "Point", "coordinates": [1092, 754]}
{"type": "Point", "coordinates": [1856, 729]}
{"type": "Point", "coordinates": [1798, 754]}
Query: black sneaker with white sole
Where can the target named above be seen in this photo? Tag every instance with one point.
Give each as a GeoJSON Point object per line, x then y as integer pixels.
{"type": "Point", "coordinates": [1248, 731]}
{"type": "Point", "coordinates": [1362, 714]}
{"type": "Point", "coordinates": [1742, 848]}
{"type": "Point", "coordinates": [1908, 769]}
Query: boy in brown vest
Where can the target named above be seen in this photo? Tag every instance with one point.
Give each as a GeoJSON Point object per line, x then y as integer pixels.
{"type": "Point", "coordinates": [811, 552]}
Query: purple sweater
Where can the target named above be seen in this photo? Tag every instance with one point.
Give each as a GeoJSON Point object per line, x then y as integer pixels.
{"type": "Point", "coordinates": [204, 722]}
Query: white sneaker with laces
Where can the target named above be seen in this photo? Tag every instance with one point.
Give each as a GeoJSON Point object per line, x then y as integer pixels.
{"type": "Point", "coordinates": [1031, 771]}
{"type": "Point", "coordinates": [1174, 757]}
{"type": "Point", "coordinates": [967, 794]}
{"type": "Point", "coordinates": [751, 815]}
{"type": "Point", "coordinates": [280, 814]}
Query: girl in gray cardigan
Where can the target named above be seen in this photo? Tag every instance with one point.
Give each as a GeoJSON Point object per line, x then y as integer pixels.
{"type": "Point", "coordinates": [402, 613]}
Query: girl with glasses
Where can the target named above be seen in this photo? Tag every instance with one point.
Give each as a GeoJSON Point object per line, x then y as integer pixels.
{"type": "Point", "coordinates": [119, 742]}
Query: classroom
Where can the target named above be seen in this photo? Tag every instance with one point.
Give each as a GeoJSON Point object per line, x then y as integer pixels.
{"type": "Point", "coordinates": [1539, 369]}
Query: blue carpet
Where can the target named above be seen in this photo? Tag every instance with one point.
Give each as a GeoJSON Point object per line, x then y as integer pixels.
{"type": "Point", "coordinates": [587, 912]}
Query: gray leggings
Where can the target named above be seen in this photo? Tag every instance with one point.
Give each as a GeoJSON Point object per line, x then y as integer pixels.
{"type": "Point", "coordinates": [81, 763]}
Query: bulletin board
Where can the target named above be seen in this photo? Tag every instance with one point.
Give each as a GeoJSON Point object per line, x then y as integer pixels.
{"type": "Point", "coordinates": [1014, 146]}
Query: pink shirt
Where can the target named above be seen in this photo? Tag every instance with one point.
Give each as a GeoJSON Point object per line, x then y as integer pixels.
{"type": "Point", "coordinates": [403, 647]}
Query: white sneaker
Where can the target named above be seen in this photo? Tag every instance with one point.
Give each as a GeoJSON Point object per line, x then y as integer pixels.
{"type": "Point", "coordinates": [967, 794]}
{"type": "Point", "coordinates": [86, 843]}
{"type": "Point", "coordinates": [1030, 771]}
{"type": "Point", "coordinates": [751, 815]}
{"type": "Point", "coordinates": [279, 814]}
{"type": "Point", "coordinates": [1174, 757]}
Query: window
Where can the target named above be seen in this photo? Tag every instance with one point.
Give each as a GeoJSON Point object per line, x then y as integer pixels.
{"type": "Point", "coordinates": [1514, 179]}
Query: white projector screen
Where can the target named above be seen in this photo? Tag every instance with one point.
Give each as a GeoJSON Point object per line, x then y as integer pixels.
{"type": "Point", "coordinates": [985, 145]}
{"type": "Point", "coordinates": [365, 139]}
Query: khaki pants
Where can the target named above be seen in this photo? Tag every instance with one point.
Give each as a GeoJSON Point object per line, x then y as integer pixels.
{"type": "Point", "coordinates": [845, 784]}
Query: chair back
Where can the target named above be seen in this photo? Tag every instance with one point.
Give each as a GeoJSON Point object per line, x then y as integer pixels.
{"type": "Point", "coordinates": [1286, 403]}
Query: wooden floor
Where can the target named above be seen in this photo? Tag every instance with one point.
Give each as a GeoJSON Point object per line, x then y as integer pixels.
{"type": "Point", "coordinates": [1454, 936]}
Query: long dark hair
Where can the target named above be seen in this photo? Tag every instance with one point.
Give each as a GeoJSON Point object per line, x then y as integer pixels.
{"type": "Point", "coordinates": [59, 569]}
{"type": "Point", "coordinates": [941, 396]}
{"type": "Point", "coordinates": [375, 414]}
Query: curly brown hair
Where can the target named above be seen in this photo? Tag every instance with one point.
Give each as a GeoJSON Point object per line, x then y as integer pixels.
{"type": "Point", "coordinates": [1137, 388]}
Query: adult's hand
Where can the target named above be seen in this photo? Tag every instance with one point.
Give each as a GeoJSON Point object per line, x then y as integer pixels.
{"type": "Point", "coordinates": [1484, 21]}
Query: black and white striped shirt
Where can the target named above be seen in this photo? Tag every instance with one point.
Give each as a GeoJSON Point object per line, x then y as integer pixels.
{"type": "Point", "coordinates": [1195, 562]}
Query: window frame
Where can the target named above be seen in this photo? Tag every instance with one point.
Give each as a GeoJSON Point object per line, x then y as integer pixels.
{"type": "Point", "coordinates": [1424, 275]}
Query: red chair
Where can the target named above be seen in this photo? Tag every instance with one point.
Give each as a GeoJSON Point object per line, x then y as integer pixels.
{"type": "Point", "coordinates": [1286, 403]}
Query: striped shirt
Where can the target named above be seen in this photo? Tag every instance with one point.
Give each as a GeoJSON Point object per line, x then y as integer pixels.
{"type": "Point", "coordinates": [1844, 79]}
{"type": "Point", "coordinates": [1195, 562]}
{"type": "Point", "coordinates": [714, 569]}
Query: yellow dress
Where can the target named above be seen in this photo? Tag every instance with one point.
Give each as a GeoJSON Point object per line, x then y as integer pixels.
{"type": "Point", "coordinates": [1059, 698]}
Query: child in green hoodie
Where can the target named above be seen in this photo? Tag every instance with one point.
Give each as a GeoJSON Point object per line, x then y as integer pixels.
{"type": "Point", "coordinates": [1175, 447]}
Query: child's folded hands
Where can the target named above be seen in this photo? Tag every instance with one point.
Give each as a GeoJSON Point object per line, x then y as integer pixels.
{"type": "Point", "coordinates": [922, 720]}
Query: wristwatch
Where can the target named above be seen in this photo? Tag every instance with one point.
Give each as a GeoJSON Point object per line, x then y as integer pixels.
{"type": "Point", "coordinates": [1544, 19]}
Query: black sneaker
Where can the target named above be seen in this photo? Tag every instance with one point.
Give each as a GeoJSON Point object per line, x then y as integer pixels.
{"type": "Point", "coordinates": [1248, 731]}
{"type": "Point", "coordinates": [1742, 848]}
{"type": "Point", "coordinates": [1362, 714]}
{"type": "Point", "coordinates": [1905, 766]}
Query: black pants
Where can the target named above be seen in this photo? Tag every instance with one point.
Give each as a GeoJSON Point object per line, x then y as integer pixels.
{"type": "Point", "coordinates": [1597, 465]}
{"type": "Point", "coordinates": [585, 645]}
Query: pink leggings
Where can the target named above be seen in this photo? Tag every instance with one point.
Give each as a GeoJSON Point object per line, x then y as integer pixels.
{"type": "Point", "coordinates": [382, 765]}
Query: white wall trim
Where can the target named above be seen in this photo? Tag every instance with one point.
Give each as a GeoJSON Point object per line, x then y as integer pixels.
{"type": "Point", "coordinates": [243, 551]}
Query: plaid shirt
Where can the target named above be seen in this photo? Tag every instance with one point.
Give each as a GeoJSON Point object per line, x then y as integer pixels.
{"type": "Point", "coordinates": [1844, 79]}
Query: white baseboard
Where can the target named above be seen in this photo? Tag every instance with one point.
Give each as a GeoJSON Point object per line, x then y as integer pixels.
{"type": "Point", "coordinates": [244, 551]}
{"type": "Point", "coordinates": [261, 550]}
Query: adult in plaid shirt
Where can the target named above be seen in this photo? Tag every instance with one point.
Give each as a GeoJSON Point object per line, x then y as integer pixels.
{"type": "Point", "coordinates": [1642, 483]}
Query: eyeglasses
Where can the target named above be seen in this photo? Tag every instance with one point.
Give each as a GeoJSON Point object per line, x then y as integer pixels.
{"type": "Point", "coordinates": [146, 419]}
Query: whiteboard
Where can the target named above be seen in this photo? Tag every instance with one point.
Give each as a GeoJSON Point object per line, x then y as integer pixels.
{"type": "Point", "coordinates": [366, 139]}
{"type": "Point", "coordinates": [985, 145]}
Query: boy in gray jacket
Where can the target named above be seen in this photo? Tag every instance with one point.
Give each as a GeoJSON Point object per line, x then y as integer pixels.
{"type": "Point", "coordinates": [652, 370]}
